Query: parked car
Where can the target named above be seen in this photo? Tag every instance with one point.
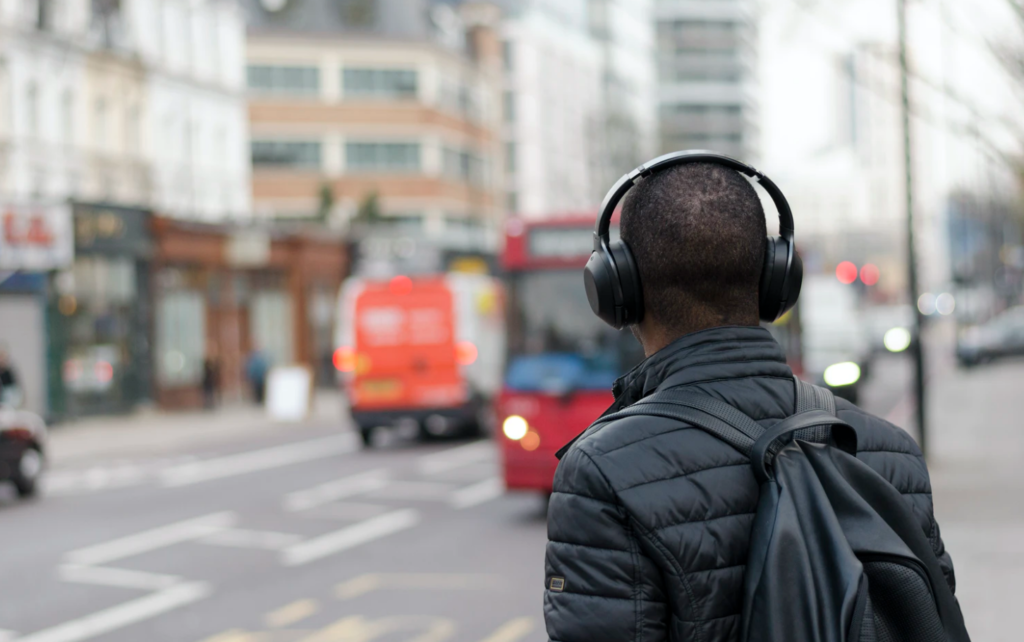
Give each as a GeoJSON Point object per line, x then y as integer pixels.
{"type": "Point", "coordinates": [1000, 336]}
{"type": "Point", "coordinates": [22, 449]}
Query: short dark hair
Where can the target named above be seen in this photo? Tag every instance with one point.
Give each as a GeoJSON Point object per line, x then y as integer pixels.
{"type": "Point", "coordinates": [698, 235]}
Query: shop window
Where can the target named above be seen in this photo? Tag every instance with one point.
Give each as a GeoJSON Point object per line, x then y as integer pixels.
{"type": "Point", "coordinates": [270, 320]}
{"type": "Point", "coordinates": [277, 153]}
{"type": "Point", "coordinates": [387, 157]}
{"type": "Point", "coordinates": [180, 338]}
{"type": "Point", "coordinates": [267, 79]}
{"type": "Point", "coordinates": [379, 83]}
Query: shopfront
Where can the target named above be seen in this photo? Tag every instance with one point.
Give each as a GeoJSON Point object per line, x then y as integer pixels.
{"type": "Point", "coordinates": [101, 314]}
{"type": "Point", "coordinates": [223, 293]}
{"type": "Point", "coordinates": [35, 240]}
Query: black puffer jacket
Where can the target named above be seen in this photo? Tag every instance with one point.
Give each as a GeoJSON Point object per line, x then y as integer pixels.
{"type": "Point", "coordinates": [650, 519]}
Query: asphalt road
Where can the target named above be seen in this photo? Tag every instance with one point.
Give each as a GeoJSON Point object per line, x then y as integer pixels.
{"type": "Point", "coordinates": [288, 535]}
{"type": "Point", "coordinates": [300, 537]}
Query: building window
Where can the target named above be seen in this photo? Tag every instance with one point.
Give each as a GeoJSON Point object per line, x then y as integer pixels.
{"type": "Point", "coordinates": [270, 318]}
{"type": "Point", "coordinates": [133, 131]}
{"type": "Point", "coordinates": [387, 157]}
{"type": "Point", "coordinates": [32, 109]}
{"type": "Point", "coordinates": [512, 202]}
{"type": "Point", "coordinates": [379, 83]}
{"type": "Point", "coordinates": [510, 106]}
{"type": "Point", "coordinates": [100, 130]}
{"type": "Point", "coordinates": [67, 118]}
{"type": "Point", "coordinates": [510, 157]}
{"type": "Point", "coordinates": [506, 55]}
{"type": "Point", "coordinates": [276, 153]}
{"type": "Point", "coordinates": [180, 338]}
{"type": "Point", "coordinates": [44, 17]}
{"type": "Point", "coordinates": [463, 166]}
{"type": "Point", "coordinates": [302, 81]}
{"type": "Point", "coordinates": [701, 65]}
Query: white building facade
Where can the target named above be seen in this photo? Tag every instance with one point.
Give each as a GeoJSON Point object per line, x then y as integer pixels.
{"type": "Point", "coordinates": [141, 105]}
{"type": "Point", "coordinates": [624, 32]}
{"type": "Point", "coordinates": [707, 80]}
{"type": "Point", "coordinates": [110, 113]}
{"type": "Point", "coordinates": [553, 109]}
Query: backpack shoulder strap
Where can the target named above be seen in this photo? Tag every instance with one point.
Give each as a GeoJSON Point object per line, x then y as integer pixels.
{"type": "Point", "coordinates": [811, 397]}
{"type": "Point", "coordinates": [725, 421]}
{"type": "Point", "coordinates": [701, 411]}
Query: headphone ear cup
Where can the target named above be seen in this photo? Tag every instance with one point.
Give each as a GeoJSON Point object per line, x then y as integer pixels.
{"type": "Point", "coordinates": [773, 299]}
{"type": "Point", "coordinates": [598, 278]}
{"type": "Point", "coordinates": [629, 279]}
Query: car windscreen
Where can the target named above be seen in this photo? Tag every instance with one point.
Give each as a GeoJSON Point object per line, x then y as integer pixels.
{"type": "Point", "coordinates": [556, 344]}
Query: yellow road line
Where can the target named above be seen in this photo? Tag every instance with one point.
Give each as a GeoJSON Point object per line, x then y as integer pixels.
{"type": "Point", "coordinates": [371, 582]}
{"type": "Point", "coordinates": [511, 631]}
{"type": "Point", "coordinates": [291, 613]}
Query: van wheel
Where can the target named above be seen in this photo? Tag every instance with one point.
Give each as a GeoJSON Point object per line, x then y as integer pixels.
{"type": "Point", "coordinates": [30, 466]}
{"type": "Point", "coordinates": [367, 435]}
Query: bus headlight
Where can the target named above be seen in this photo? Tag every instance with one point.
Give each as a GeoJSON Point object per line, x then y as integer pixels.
{"type": "Point", "coordinates": [846, 373]}
{"type": "Point", "coordinates": [515, 427]}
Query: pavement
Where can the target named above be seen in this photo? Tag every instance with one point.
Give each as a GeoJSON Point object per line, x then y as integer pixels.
{"type": "Point", "coordinates": [228, 527]}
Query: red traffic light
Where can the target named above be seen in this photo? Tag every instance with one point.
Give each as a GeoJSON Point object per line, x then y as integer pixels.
{"type": "Point", "coordinates": [846, 272]}
{"type": "Point", "coordinates": [869, 274]}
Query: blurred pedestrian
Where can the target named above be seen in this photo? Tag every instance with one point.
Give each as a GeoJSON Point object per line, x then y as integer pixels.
{"type": "Point", "coordinates": [211, 379]}
{"type": "Point", "coordinates": [256, 368]}
{"type": "Point", "coordinates": [10, 388]}
{"type": "Point", "coordinates": [651, 517]}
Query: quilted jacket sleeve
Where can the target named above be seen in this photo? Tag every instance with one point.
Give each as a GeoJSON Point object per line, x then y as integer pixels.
{"type": "Point", "coordinates": [599, 586]}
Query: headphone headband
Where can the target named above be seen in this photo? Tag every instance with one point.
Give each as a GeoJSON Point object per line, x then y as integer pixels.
{"type": "Point", "coordinates": [626, 183]}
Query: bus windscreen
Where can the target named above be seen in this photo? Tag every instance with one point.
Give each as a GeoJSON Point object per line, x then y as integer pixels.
{"type": "Point", "coordinates": [556, 344]}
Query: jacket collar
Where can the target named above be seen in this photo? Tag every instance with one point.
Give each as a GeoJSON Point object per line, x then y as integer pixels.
{"type": "Point", "coordinates": [714, 354]}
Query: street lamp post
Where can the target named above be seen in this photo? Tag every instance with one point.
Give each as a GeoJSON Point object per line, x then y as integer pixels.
{"type": "Point", "coordinates": [916, 348]}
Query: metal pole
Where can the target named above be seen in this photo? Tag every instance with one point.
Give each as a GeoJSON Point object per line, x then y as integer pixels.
{"type": "Point", "coordinates": [917, 349]}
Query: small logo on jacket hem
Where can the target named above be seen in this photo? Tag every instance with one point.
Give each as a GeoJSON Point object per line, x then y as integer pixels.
{"type": "Point", "coordinates": [557, 584]}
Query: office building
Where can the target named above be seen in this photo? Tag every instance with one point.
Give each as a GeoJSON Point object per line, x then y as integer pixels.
{"type": "Point", "coordinates": [707, 86]}
{"type": "Point", "coordinates": [392, 110]}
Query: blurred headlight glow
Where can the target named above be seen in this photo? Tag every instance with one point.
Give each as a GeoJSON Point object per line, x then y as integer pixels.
{"type": "Point", "coordinates": [842, 374]}
{"type": "Point", "coordinates": [945, 304]}
{"type": "Point", "coordinates": [530, 442]}
{"type": "Point", "coordinates": [515, 427]}
{"type": "Point", "coordinates": [896, 339]}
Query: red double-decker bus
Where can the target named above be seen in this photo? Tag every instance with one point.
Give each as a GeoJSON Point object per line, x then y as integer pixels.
{"type": "Point", "coordinates": [562, 360]}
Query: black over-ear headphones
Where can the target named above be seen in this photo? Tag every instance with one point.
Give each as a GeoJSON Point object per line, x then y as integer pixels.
{"type": "Point", "coordinates": [613, 280]}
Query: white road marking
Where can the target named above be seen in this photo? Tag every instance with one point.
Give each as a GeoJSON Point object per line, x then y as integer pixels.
{"type": "Point", "coordinates": [108, 475]}
{"type": "Point", "coordinates": [512, 631]}
{"type": "Point", "coordinates": [350, 511]}
{"type": "Point", "coordinates": [122, 615]}
{"type": "Point", "coordinates": [456, 457]}
{"type": "Point", "coordinates": [478, 493]}
{"type": "Point", "coordinates": [120, 577]}
{"type": "Point", "coordinates": [349, 537]}
{"type": "Point", "coordinates": [413, 490]}
{"type": "Point", "coordinates": [153, 539]}
{"type": "Point", "coordinates": [241, 538]}
{"type": "Point", "coordinates": [257, 460]}
{"type": "Point", "coordinates": [7, 636]}
{"type": "Point", "coordinates": [335, 490]}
